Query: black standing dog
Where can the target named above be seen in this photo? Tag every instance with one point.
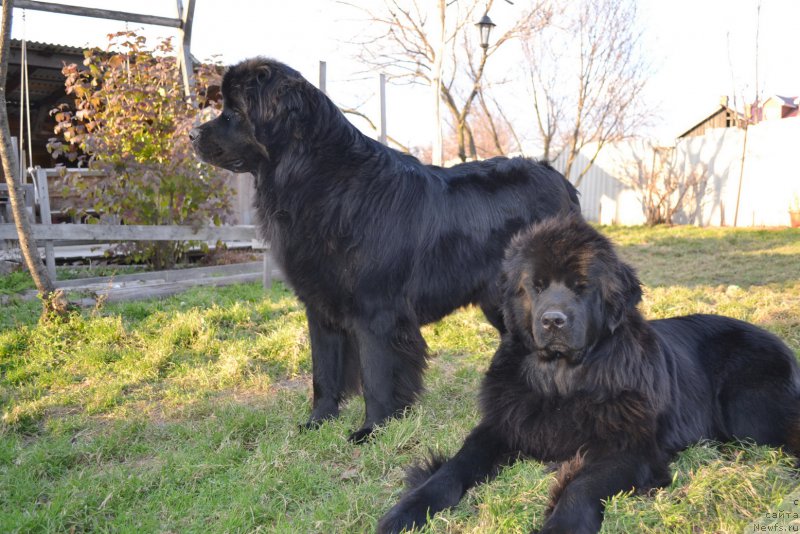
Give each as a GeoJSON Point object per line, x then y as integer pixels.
{"type": "Point", "coordinates": [373, 242]}
{"type": "Point", "coordinates": [580, 377]}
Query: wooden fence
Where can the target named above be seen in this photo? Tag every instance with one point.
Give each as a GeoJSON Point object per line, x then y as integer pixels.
{"type": "Point", "coordinates": [47, 233]}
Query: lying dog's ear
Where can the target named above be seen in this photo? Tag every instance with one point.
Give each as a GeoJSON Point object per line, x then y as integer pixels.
{"type": "Point", "coordinates": [625, 298]}
{"type": "Point", "coordinates": [517, 304]}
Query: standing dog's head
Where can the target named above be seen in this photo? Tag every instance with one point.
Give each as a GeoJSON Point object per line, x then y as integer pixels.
{"type": "Point", "coordinates": [265, 105]}
{"type": "Point", "coordinates": [566, 288]}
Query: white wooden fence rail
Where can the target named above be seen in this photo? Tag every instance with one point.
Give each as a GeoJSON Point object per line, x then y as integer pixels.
{"type": "Point", "coordinates": [118, 232]}
{"type": "Point", "coordinates": [46, 232]}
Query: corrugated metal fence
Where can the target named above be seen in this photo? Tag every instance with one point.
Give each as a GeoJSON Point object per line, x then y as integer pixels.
{"type": "Point", "coordinates": [770, 181]}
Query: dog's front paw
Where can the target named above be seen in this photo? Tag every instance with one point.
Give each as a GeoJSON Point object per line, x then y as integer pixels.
{"type": "Point", "coordinates": [309, 425]}
{"type": "Point", "coordinates": [571, 525]}
{"type": "Point", "coordinates": [404, 516]}
{"type": "Point", "coordinates": [361, 435]}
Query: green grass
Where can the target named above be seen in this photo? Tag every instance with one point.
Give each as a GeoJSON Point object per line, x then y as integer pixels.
{"type": "Point", "coordinates": [180, 415]}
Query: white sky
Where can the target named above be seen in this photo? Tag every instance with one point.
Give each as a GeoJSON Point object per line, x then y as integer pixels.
{"type": "Point", "coordinates": [689, 41]}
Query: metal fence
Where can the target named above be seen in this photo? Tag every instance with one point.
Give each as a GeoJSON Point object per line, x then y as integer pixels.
{"type": "Point", "coordinates": [770, 176]}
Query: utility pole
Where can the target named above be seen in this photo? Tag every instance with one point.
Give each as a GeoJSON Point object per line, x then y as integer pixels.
{"type": "Point", "coordinates": [436, 84]}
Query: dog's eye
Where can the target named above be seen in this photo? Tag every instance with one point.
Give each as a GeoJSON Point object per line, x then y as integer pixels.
{"type": "Point", "coordinates": [538, 286]}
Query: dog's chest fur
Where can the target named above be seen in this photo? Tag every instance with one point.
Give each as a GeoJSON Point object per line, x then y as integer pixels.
{"type": "Point", "coordinates": [552, 424]}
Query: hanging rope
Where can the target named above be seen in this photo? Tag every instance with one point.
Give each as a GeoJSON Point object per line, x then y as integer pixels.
{"type": "Point", "coordinates": [25, 109]}
{"type": "Point", "coordinates": [21, 139]}
{"type": "Point", "coordinates": [28, 103]}
{"type": "Point", "coordinates": [25, 102]}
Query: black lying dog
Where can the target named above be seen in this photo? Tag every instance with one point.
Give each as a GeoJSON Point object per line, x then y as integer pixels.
{"type": "Point", "coordinates": [580, 377]}
{"type": "Point", "coordinates": [373, 242]}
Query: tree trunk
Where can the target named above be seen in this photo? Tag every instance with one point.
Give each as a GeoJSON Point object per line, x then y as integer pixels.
{"type": "Point", "coordinates": [462, 141]}
{"type": "Point", "coordinates": [473, 151]}
{"type": "Point", "coordinates": [53, 300]}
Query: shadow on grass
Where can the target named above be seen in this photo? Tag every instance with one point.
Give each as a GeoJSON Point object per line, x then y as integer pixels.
{"type": "Point", "coordinates": [690, 257]}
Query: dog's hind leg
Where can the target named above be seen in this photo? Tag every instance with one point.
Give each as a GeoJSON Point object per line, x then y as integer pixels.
{"type": "Point", "coordinates": [767, 413]}
{"type": "Point", "coordinates": [759, 398]}
{"type": "Point", "coordinates": [334, 367]}
{"type": "Point", "coordinates": [392, 353]}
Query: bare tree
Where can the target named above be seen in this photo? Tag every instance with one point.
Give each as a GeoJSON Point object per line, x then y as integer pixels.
{"type": "Point", "coordinates": [402, 46]}
{"type": "Point", "coordinates": [493, 132]}
{"type": "Point", "coordinates": [491, 126]}
{"type": "Point", "coordinates": [666, 186]}
{"type": "Point", "coordinates": [53, 300]}
{"type": "Point", "coordinates": [550, 103]}
{"type": "Point", "coordinates": [356, 113]}
{"type": "Point", "coordinates": [491, 135]}
{"type": "Point", "coordinates": [587, 77]}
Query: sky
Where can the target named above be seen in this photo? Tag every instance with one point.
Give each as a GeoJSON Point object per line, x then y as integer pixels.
{"type": "Point", "coordinates": [699, 49]}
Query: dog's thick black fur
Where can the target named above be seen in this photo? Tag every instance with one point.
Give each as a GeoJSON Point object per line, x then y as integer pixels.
{"type": "Point", "coordinates": [581, 378]}
{"type": "Point", "coordinates": [373, 242]}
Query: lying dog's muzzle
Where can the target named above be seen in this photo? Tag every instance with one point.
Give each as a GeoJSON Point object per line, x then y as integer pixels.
{"type": "Point", "coordinates": [560, 351]}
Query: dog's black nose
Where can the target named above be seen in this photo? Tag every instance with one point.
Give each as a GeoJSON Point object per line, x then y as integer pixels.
{"type": "Point", "coordinates": [553, 319]}
{"type": "Point", "coordinates": [194, 134]}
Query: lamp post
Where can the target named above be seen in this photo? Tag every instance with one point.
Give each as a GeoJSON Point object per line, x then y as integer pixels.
{"type": "Point", "coordinates": [485, 26]}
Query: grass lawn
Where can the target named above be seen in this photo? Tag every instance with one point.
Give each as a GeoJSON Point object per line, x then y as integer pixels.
{"type": "Point", "coordinates": [180, 415]}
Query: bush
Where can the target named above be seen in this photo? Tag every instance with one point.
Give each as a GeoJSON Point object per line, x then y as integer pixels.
{"type": "Point", "coordinates": [130, 121]}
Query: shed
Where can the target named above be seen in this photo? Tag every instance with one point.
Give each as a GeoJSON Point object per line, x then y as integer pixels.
{"type": "Point", "coordinates": [46, 90]}
{"type": "Point", "coordinates": [723, 117]}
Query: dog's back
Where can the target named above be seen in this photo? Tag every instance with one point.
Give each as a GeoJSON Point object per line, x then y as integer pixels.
{"type": "Point", "coordinates": [473, 211]}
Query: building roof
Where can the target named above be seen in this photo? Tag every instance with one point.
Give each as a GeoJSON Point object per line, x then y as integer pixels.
{"type": "Point", "coordinates": [45, 61]}
{"type": "Point", "coordinates": [789, 101]}
{"type": "Point", "coordinates": [720, 109]}
{"type": "Point", "coordinates": [49, 47]}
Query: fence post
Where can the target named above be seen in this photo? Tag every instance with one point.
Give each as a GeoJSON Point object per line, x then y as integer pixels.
{"type": "Point", "coordinates": [323, 77]}
{"type": "Point", "coordinates": [382, 87]}
{"type": "Point", "coordinates": [44, 206]}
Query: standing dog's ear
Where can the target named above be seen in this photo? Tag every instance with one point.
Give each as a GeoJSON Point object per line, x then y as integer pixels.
{"type": "Point", "coordinates": [263, 74]}
{"type": "Point", "coordinates": [292, 105]}
{"type": "Point", "coordinates": [625, 297]}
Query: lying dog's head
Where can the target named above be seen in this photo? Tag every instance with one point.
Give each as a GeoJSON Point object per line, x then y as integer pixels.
{"type": "Point", "coordinates": [566, 288]}
{"type": "Point", "coordinates": [265, 104]}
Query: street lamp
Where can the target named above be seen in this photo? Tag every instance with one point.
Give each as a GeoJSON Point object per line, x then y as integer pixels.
{"type": "Point", "coordinates": [485, 26]}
